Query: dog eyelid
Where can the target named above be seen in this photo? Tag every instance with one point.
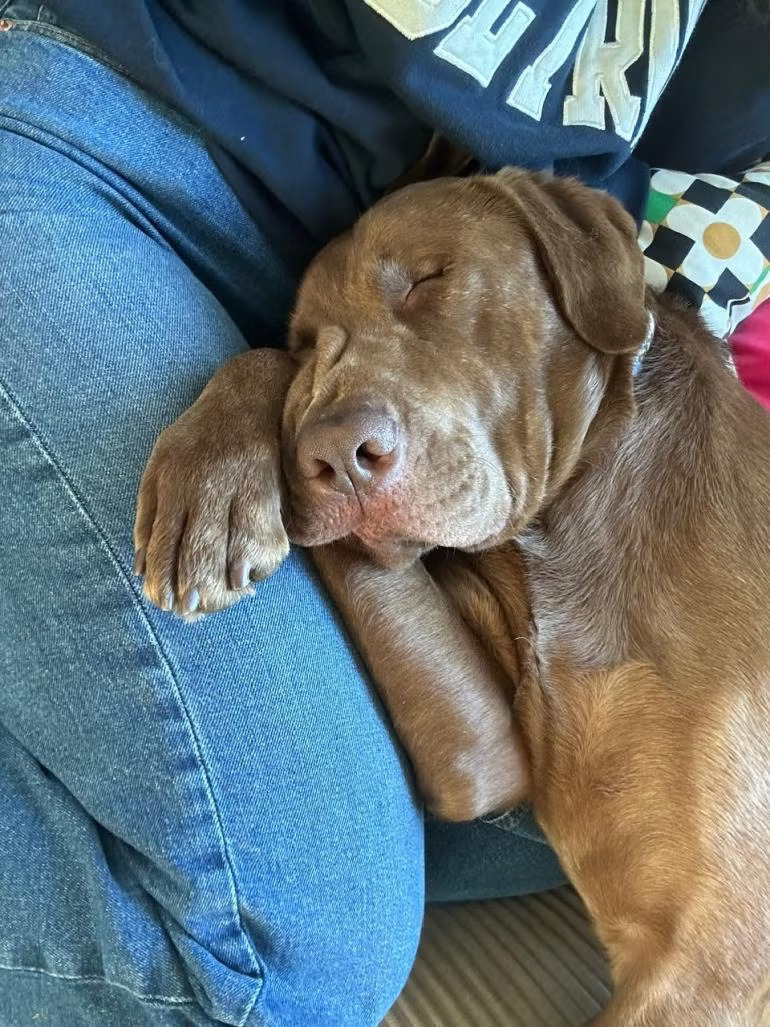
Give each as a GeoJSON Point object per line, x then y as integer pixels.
{"type": "Point", "coordinates": [422, 280]}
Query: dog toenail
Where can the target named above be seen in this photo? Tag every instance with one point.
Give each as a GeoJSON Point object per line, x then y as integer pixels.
{"type": "Point", "coordinates": [239, 575]}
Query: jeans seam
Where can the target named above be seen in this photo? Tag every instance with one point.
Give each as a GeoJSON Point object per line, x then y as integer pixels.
{"type": "Point", "coordinates": [61, 35]}
{"type": "Point", "coordinates": [47, 454]}
{"type": "Point", "coordinates": [154, 1000]}
{"type": "Point", "coordinates": [80, 45]}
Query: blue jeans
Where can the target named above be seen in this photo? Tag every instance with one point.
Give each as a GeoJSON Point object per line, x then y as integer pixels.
{"type": "Point", "coordinates": [198, 824]}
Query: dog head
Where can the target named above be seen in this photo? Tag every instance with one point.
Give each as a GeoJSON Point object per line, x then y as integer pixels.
{"type": "Point", "coordinates": [454, 349]}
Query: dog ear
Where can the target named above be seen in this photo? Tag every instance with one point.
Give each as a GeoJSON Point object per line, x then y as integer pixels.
{"type": "Point", "coordinates": [442, 159]}
{"type": "Point", "coordinates": [587, 245]}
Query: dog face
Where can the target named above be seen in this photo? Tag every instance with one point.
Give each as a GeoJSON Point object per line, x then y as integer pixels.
{"type": "Point", "coordinates": [454, 348]}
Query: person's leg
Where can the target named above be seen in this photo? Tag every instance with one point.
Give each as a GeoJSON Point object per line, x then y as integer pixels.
{"type": "Point", "coordinates": [488, 859]}
{"type": "Point", "coordinates": [207, 822]}
{"type": "Point", "coordinates": [210, 821]}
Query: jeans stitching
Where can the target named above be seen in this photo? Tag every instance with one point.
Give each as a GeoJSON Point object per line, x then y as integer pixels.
{"type": "Point", "coordinates": [47, 454]}
{"type": "Point", "coordinates": [58, 34]}
{"type": "Point", "coordinates": [155, 1000]}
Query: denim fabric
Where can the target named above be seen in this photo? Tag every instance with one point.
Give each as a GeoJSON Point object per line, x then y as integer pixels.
{"type": "Point", "coordinates": [198, 824]}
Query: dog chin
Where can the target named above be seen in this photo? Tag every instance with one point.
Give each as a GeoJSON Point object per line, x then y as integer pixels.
{"type": "Point", "coordinates": [393, 554]}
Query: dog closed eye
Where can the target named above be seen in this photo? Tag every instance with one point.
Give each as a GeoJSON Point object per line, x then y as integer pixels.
{"type": "Point", "coordinates": [405, 288]}
{"type": "Point", "coordinates": [422, 290]}
{"type": "Point", "coordinates": [416, 291]}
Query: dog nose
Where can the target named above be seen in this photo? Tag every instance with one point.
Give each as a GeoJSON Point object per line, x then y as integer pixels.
{"type": "Point", "coordinates": [349, 451]}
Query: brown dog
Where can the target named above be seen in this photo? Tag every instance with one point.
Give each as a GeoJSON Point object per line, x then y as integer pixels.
{"type": "Point", "coordinates": [460, 383]}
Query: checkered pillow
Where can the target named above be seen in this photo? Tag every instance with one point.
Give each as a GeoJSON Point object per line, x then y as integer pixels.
{"type": "Point", "coordinates": [708, 238]}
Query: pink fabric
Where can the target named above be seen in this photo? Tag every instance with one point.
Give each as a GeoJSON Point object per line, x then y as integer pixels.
{"type": "Point", "coordinates": [750, 343]}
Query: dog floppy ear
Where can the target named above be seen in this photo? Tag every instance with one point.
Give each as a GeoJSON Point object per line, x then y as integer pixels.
{"type": "Point", "coordinates": [587, 245]}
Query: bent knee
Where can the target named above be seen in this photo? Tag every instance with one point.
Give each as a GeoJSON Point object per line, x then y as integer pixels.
{"type": "Point", "coordinates": [345, 968]}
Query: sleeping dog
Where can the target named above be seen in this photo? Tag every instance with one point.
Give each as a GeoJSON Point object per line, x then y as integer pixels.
{"type": "Point", "coordinates": [541, 500]}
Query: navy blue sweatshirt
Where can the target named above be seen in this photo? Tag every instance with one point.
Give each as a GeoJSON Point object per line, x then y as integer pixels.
{"type": "Point", "coordinates": [311, 107]}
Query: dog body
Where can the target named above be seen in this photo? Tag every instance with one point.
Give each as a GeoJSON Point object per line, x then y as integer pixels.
{"type": "Point", "coordinates": [644, 685]}
{"type": "Point", "coordinates": [589, 627]}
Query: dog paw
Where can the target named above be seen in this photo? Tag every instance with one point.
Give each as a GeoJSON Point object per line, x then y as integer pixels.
{"type": "Point", "coordinates": [208, 521]}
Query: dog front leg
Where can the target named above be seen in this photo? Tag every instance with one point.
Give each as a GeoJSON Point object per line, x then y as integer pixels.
{"type": "Point", "coordinates": [447, 699]}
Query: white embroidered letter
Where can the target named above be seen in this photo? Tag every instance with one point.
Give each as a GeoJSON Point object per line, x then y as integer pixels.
{"type": "Point", "coordinates": [472, 45]}
{"type": "Point", "coordinates": [417, 18]}
{"type": "Point", "coordinates": [531, 89]}
{"type": "Point", "coordinates": [664, 47]}
{"type": "Point", "coordinates": [600, 70]}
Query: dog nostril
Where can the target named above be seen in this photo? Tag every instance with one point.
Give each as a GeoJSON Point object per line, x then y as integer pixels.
{"type": "Point", "coordinates": [345, 451]}
{"type": "Point", "coordinates": [323, 471]}
{"type": "Point", "coordinates": [371, 455]}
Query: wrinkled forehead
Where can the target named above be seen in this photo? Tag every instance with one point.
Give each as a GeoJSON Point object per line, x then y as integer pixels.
{"type": "Point", "coordinates": [416, 231]}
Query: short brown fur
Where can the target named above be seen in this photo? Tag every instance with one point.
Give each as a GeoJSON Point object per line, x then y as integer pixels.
{"type": "Point", "coordinates": [590, 626]}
